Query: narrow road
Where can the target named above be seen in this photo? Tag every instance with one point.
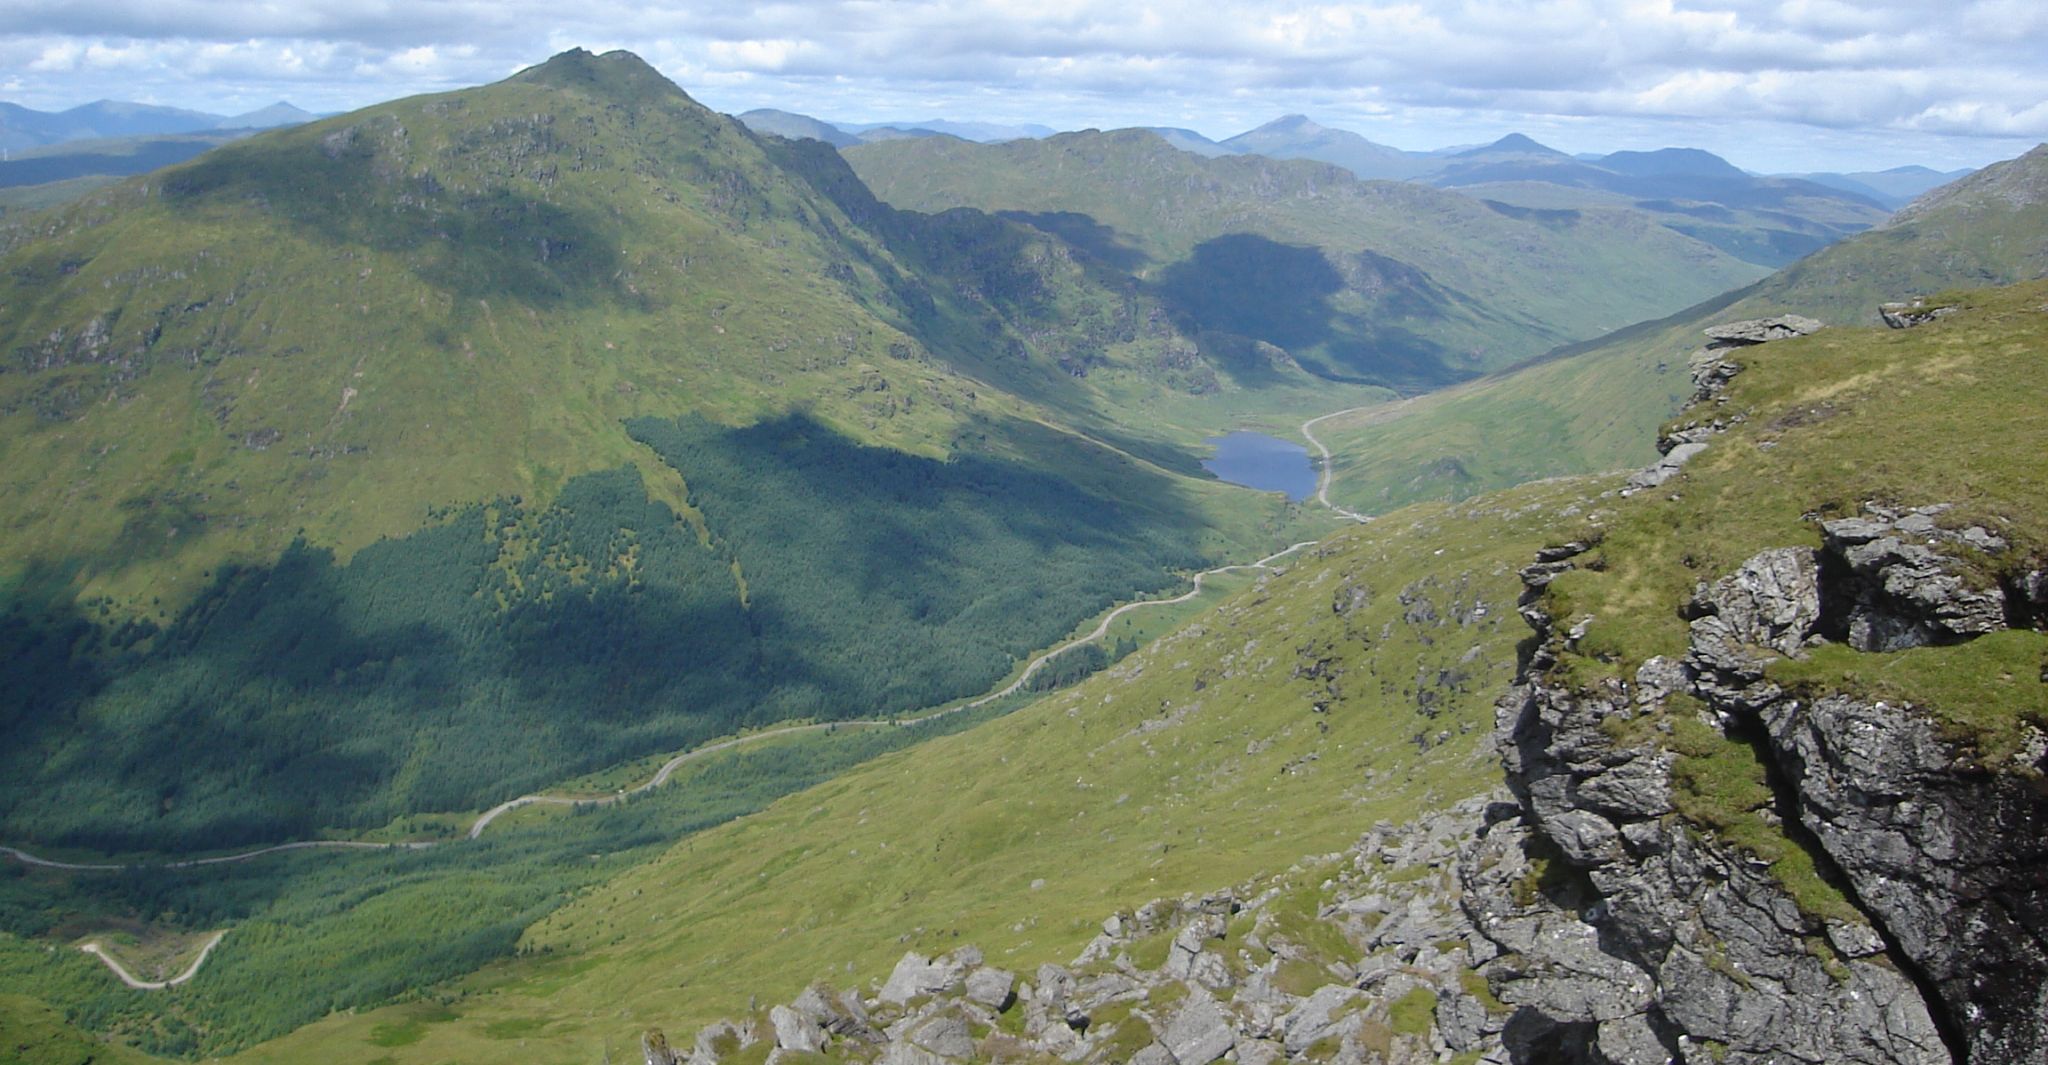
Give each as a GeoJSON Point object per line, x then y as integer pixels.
{"type": "Point", "coordinates": [1323, 478]}
{"type": "Point", "coordinates": [155, 985]}
{"type": "Point", "coordinates": [668, 768]}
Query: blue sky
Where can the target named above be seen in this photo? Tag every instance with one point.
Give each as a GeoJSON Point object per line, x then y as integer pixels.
{"type": "Point", "coordinates": [1802, 85]}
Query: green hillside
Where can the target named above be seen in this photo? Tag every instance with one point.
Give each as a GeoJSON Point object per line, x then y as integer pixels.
{"type": "Point", "coordinates": [1396, 283]}
{"type": "Point", "coordinates": [431, 453]}
{"type": "Point", "coordinates": [1356, 686]}
{"type": "Point", "coordinates": [1597, 405]}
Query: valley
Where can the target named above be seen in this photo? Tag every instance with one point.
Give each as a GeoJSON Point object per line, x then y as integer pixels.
{"type": "Point", "coordinates": [508, 573]}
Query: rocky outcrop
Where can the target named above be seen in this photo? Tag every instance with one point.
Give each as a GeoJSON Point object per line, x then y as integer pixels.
{"type": "Point", "coordinates": [1632, 935]}
{"type": "Point", "coordinates": [1241, 975]}
{"type": "Point", "coordinates": [1712, 367]}
{"type": "Point", "coordinates": [1911, 313]}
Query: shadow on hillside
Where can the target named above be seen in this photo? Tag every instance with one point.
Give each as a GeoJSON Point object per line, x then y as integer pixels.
{"type": "Point", "coordinates": [1247, 286]}
{"type": "Point", "coordinates": [1098, 242]}
{"type": "Point", "coordinates": [489, 244]}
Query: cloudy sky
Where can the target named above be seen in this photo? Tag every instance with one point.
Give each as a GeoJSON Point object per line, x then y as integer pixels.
{"type": "Point", "coordinates": [1797, 85]}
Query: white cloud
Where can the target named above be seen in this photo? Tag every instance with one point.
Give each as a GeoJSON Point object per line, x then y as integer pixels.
{"type": "Point", "coordinates": [1900, 67]}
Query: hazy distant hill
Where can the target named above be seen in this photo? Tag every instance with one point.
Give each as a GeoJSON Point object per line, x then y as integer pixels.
{"type": "Point", "coordinates": [1296, 137]}
{"type": "Point", "coordinates": [1382, 281]}
{"type": "Point", "coordinates": [1894, 188]}
{"type": "Point", "coordinates": [1770, 221]}
{"type": "Point", "coordinates": [22, 127]}
{"type": "Point", "coordinates": [113, 157]}
{"type": "Point", "coordinates": [794, 126]}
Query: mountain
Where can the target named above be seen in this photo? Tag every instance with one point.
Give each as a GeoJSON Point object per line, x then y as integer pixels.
{"type": "Point", "coordinates": [115, 157]}
{"type": "Point", "coordinates": [1687, 162]}
{"type": "Point", "coordinates": [1481, 822]}
{"type": "Point", "coordinates": [1767, 221]}
{"type": "Point", "coordinates": [1736, 757]}
{"type": "Point", "coordinates": [1392, 283]}
{"type": "Point", "coordinates": [1894, 188]}
{"type": "Point", "coordinates": [1188, 140]}
{"type": "Point", "coordinates": [795, 126]}
{"type": "Point", "coordinates": [1296, 137]}
{"type": "Point", "coordinates": [1593, 406]}
{"type": "Point", "coordinates": [983, 132]}
{"type": "Point", "coordinates": [22, 127]}
{"type": "Point", "coordinates": [281, 113]}
{"type": "Point", "coordinates": [1513, 146]}
{"type": "Point", "coordinates": [468, 442]}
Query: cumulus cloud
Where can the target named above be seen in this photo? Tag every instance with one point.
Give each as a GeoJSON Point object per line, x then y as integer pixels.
{"type": "Point", "coordinates": [1900, 67]}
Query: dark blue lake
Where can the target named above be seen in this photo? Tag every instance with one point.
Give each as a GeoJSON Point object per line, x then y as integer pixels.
{"type": "Point", "coordinates": [1269, 463]}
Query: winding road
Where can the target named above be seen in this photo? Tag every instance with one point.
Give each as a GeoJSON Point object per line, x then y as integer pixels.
{"type": "Point", "coordinates": [668, 768]}
{"type": "Point", "coordinates": [1323, 477]}
{"type": "Point", "coordinates": [128, 978]}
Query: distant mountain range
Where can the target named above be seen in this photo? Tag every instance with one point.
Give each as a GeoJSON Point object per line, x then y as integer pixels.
{"type": "Point", "coordinates": [22, 127]}
{"type": "Point", "coordinates": [1768, 220]}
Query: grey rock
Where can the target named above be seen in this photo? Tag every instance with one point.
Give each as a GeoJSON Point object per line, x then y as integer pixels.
{"type": "Point", "coordinates": [900, 1053]}
{"type": "Point", "coordinates": [1314, 1017]}
{"type": "Point", "coordinates": [705, 1049]}
{"type": "Point", "coordinates": [990, 987]}
{"type": "Point", "coordinates": [1946, 857]}
{"type": "Point", "coordinates": [1461, 1020]}
{"type": "Point", "coordinates": [1198, 1033]}
{"type": "Point", "coordinates": [1631, 1041]}
{"type": "Point", "coordinates": [1259, 1052]}
{"type": "Point", "coordinates": [1664, 468]}
{"type": "Point", "coordinates": [1153, 1054]}
{"type": "Point", "coordinates": [794, 1031]}
{"type": "Point", "coordinates": [1906, 315]}
{"type": "Point", "coordinates": [654, 1048]}
{"type": "Point", "coordinates": [1586, 838]}
{"type": "Point", "coordinates": [1854, 940]}
{"type": "Point", "coordinates": [916, 975]}
{"type": "Point", "coordinates": [1772, 600]}
{"type": "Point", "coordinates": [1762, 330]}
{"type": "Point", "coordinates": [945, 1035]}
{"type": "Point", "coordinates": [1188, 943]}
{"type": "Point", "coordinates": [1906, 593]}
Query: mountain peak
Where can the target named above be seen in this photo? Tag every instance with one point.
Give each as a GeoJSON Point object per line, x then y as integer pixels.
{"type": "Point", "coordinates": [619, 74]}
{"type": "Point", "coordinates": [1516, 142]}
{"type": "Point", "coordinates": [1297, 124]}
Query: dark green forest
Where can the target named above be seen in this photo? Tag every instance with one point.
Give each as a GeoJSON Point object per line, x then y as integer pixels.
{"type": "Point", "coordinates": [512, 645]}
{"type": "Point", "coordinates": [315, 932]}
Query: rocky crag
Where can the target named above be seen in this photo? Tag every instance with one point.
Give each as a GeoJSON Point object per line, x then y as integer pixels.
{"type": "Point", "coordinates": [1363, 955]}
{"type": "Point", "coordinates": [1659, 941]}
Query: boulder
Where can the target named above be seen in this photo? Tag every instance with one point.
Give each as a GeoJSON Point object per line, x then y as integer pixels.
{"type": "Point", "coordinates": [1907, 314]}
{"type": "Point", "coordinates": [945, 1035]}
{"type": "Point", "coordinates": [916, 975]}
{"type": "Point", "coordinates": [794, 1031]}
{"type": "Point", "coordinates": [1762, 330]}
{"type": "Point", "coordinates": [1198, 1033]}
{"type": "Point", "coordinates": [990, 987]}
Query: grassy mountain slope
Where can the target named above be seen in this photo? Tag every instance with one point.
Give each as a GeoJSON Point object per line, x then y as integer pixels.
{"type": "Point", "coordinates": [1356, 686]}
{"type": "Point", "coordinates": [1276, 725]}
{"type": "Point", "coordinates": [1597, 405]}
{"type": "Point", "coordinates": [361, 447]}
{"type": "Point", "coordinates": [1394, 282]}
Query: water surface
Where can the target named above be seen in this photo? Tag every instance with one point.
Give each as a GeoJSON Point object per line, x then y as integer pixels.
{"type": "Point", "coordinates": [1268, 463]}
